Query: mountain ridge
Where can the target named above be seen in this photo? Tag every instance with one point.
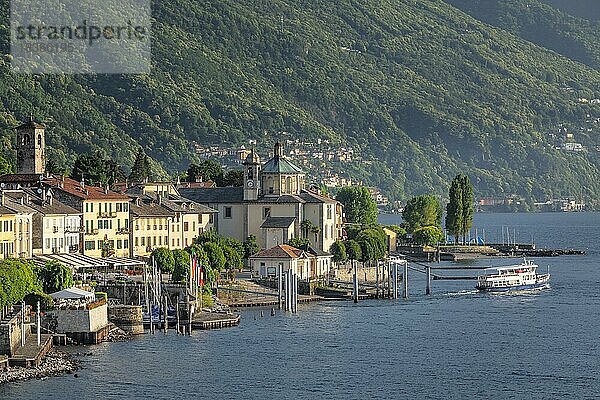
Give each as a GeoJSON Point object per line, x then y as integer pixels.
{"type": "Point", "coordinates": [421, 88]}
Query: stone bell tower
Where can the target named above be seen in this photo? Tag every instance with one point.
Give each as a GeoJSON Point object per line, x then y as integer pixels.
{"type": "Point", "coordinates": [252, 176]}
{"type": "Point", "coordinates": [31, 143]}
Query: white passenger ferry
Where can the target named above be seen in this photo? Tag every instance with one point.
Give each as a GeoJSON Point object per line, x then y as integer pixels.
{"type": "Point", "coordinates": [517, 277]}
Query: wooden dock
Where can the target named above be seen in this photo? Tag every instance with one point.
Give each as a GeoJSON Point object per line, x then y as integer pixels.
{"type": "Point", "coordinates": [206, 320]}
{"type": "Point", "coordinates": [3, 362]}
{"type": "Point", "coordinates": [269, 301]}
{"type": "Point", "coordinates": [31, 355]}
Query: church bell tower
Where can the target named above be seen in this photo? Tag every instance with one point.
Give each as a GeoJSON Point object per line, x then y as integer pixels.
{"type": "Point", "coordinates": [251, 176]}
{"type": "Point", "coordinates": [31, 143]}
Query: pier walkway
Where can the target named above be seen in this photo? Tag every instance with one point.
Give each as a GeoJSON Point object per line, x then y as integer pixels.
{"type": "Point", "coordinates": [31, 355]}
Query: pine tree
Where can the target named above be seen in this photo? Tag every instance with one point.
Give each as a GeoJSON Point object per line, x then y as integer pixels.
{"type": "Point", "coordinates": [141, 170]}
{"type": "Point", "coordinates": [454, 209]}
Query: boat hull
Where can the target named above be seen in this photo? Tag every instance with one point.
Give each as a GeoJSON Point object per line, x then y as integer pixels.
{"type": "Point", "coordinates": [541, 283]}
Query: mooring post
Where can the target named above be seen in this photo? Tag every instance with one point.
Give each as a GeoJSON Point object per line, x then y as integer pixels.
{"type": "Point", "coordinates": [395, 279]}
{"type": "Point", "coordinates": [279, 288]}
{"type": "Point", "coordinates": [38, 320]}
{"type": "Point", "coordinates": [295, 303]}
{"type": "Point", "coordinates": [355, 282]}
{"type": "Point", "coordinates": [22, 324]}
{"type": "Point", "coordinates": [287, 290]}
{"type": "Point", "coordinates": [166, 315]}
{"type": "Point", "coordinates": [428, 288]}
{"type": "Point", "coordinates": [377, 279]}
{"type": "Point", "coordinates": [405, 279]}
{"type": "Point", "coordinates": [189, 313]}
{"type": "Point", "coordinates": [389, 266]}
{"type": "Point", "coordinates": [177, 327]}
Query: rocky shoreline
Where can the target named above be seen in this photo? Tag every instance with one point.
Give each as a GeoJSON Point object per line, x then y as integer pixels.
{"type": "Point", "coordinates": [56, 363]}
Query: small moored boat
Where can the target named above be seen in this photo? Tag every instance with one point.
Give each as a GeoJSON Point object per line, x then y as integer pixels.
{"type": "Point", "coordinates": [516, 277]}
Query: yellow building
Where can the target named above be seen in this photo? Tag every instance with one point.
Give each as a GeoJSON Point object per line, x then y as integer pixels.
{"type": "Point", "coordinates": [7, 232]}
{"type": "Point", "coordinates": [170, 222]}
{"type": "Point", "coordinates": [17, 228]}
{"type": "Point", "coordinates": [105, 216]}
{"type": "Point", "coordinates": [56, 226]}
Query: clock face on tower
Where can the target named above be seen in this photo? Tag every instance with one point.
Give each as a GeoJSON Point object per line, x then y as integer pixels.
{"type": "Point", "coordinates": [250, 184]}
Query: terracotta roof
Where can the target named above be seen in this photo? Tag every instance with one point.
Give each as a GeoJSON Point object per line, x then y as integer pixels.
{"type": "Point", "coordinates": [86, 192]}
{"type": "Point", "coordinates": [315, 252]}
{"type": "Point", "coordinates": [280, 251]}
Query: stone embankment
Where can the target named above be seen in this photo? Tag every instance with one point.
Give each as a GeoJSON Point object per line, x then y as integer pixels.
{"type": "Point", "coordinates": [56, 363]}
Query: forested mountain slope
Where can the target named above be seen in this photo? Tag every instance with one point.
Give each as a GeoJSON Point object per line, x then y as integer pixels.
{"type": "Point", "coordinates": [421, 88]}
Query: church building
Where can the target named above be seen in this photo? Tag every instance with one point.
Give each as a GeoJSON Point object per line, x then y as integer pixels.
{"type": "Point", "coordinates": [273, 205]}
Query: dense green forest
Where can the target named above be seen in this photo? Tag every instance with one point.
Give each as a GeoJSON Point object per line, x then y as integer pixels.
{"type": "Point", "coordinates": [421, 88]}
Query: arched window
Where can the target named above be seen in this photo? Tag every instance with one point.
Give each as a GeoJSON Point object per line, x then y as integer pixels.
{"type": "Point", "coordinates": [250, 173]}
{"type": "Point", "coordinates": [39, 141]}
{"type": "Point", "coordinates": [25, 140]}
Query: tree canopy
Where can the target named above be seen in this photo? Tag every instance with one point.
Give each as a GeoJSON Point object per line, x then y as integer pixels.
{"type": "Point", "coordinates": [358, 205]}
{"type": "Point", "coordinates": [181, 269]}
{"type": "Point", "coordinates": [17, 280]}
{"type": "Point", "coordinates": [54, 276]}
{"type": "Point", "coordinates": [164, 259]}
{"type": "Point", "coordinates": [95, 168]}
{"type": "Point", "coordinates": [459, 211]}
{"type": "Point", "coordinates": [338, 249]}
{"type": "Point", "coordinates": [142, 169]}
{"type": "Point", "coordinates": [353, 250]}
{"type": "Point", "coordinates": [423, 210]}
{"type": "Point", "coordinates": [207, 170]}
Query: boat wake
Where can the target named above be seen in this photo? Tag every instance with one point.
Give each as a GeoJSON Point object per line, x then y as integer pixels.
{"type": "Point", "coordinates": [463, 293]}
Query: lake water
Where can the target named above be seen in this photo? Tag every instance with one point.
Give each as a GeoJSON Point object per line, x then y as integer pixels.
{"type": "Point", "coordinates": [456, 344]}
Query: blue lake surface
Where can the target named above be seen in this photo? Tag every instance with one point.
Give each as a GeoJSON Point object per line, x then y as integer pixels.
{"type": "Point", "coordinates": [456, 344]}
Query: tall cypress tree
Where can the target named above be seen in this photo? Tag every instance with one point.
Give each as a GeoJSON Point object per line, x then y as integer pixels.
{"type": "Point", "coordinates": [467, 205]}
{"type": "Point", "coordinates": [141, 169]}
{"type": "Point", "coordinates": [454, 209]}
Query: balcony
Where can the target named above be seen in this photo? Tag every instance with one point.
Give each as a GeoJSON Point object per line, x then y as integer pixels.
{"type": "Point", "coordinates": [74, 229]}
{"type": "Point", "coordinates": [123, 231]}
{"type": "Point", "coordinates": [92, 232]}
{"type": "Point", "coordinates": [108, 214]}
{"type": "Point", "coordinates": [55, 229]}
{"type": "Point", "coordinates": [74, 249]}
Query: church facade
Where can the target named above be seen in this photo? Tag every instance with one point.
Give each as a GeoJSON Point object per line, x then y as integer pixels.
{"type": "Point", "coordinates": [273, 205]}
